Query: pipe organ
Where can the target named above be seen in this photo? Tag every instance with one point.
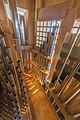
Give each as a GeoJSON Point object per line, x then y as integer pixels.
{"type": "Point", "coordinates": [12, 87]}
{"type": "Point", "coordinates": [40, 60]}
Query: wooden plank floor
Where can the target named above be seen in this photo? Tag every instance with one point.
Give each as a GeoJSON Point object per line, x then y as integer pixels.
{"type": "Point", "coordinates": [40, 106]}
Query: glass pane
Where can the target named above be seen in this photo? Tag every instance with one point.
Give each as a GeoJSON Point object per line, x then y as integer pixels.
{"type": "Point", "coordinates": [41, 23]}
{"type": "Point", "coordinates": [40, 28]}
{"type": "Point", "coordinates": [40, 38]}
{"type": "Point", "coordinates": [53, 23]}
{"type": "Point", "coordinates": [38, 23]}
{"type": "Point", "coordinates": [45, 23]}
{"type": "Point", "coordinates": [37, 28]}
{"type": "Point", "coordinates": [44, 29]}
{"type": "Point", "coordinates": [40, 33]}
{"type": "Point", "coordinates": [48, 29]}
{"type": "Point", "coordinates": [76, 23]}
{"type": "Point", "coordinates": [74, 30]}
{"type": "Point", "coordinates": [44, 34]}
{"type": "Point", "coordinates": [36, 44]}
{"type": "Point", "coordinates": [37, 41]}
{"type": "Point", "coordinates": [37, 33]}
{"type": "Point", "coordinates": [49, 23]}
{"type": "Point", "coordinates": [37, 37]}
{"type": "Point", "coordinates": [43, 38]}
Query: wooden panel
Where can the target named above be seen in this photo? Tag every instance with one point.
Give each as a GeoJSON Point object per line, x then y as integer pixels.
{"type": "Point", "coordinates": [52, 2]}
{"type": "Point", "coordinates": [27, 4]}
{"type": "Point", "coordinates": [39, 4]}
{"type": "Point", "coordinates": [71, 4]}
{"type": "Point", "coordinates": [78, 13]}
{"type": "Point", "coordinates": [52, 12]}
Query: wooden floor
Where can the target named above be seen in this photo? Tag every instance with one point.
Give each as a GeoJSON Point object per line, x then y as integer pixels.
{"type": "Point", "coordinates": [40, 106]}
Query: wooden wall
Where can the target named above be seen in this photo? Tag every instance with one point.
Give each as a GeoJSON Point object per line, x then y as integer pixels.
{"type": "Point", "coordinates": [27, 4]}
{"type": "Point", "coordinates": [57, 10]}
{"type": "Point", "coordinates": [52, 2]}
{"type": "Point", "coordinates": [52, 12]}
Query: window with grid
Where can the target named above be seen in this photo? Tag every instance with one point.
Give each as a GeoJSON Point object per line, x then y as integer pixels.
{"type": "Point", "coordinates": [43, 28]}
{"type": "Point", "coordinates": [74, 30]}
{"type": "Point", "coordinates": [75, 26]}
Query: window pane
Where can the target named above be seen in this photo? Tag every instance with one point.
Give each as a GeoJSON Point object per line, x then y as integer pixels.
{"type": "Point", "coordinates": [49, 23]}
{"type": "Point", "coordinates": [37, 41]}
{"type": "Point", "coordinates": [44, 34]}
{"type": "Point", "coordinates": [38, 23]}
{"type": "Point", "coordinates": [74, 30]}
{"type": "Point", "coordinates": [44, 29]}
{"type": "Point", "coordinates": [48, 29]}
{"type": "Point", "coordinates": [53, 23]}
{"type": "Point", "coordinates": [40, 38]}
{"type": "Point", "coordinates": [76, 23]}
{"type": "Point", "coordinates": [36, 44]}
{"type": "Point", "coordinates": [41, 23]}
{"type": "Point", "coordinates": [40, 33]}
{"type": "Point", "coordinates": [37, 37]}
{"type": "Point", "coordinates": [37, 28]}
{"type": "Point", "coordinates": [40, 28]}
{"type": "Point", "coordinates": [43, 38]}
{"type": "Point", "coordinates": [37, 33]}
{"type": "Point", "coordinates": [45, 23]}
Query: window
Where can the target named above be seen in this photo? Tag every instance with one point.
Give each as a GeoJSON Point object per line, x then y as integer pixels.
{"type": "Point", "coordinates": [75, 26]}
{"type": "Point", "coordinates": [75, 29]}
{"type": "Point", "coordinates": [43, 28]}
